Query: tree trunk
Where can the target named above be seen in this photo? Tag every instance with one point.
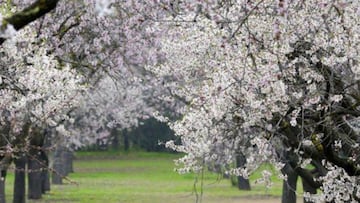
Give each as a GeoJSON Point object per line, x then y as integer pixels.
{"type": "Point", "coordinates": [45, 185]}
{"type": "Point", "coordinates": [58, 172]}
{"type": "Point", "coordinates": [289, 185]}
{"type": "Point", "coordinates": [242, 183]}
{"type": "Point", "coordinates": [308, 188]}
{"type": "Point", "coordinates": [34, 176]}
{"type": "Point", "coordinates": [45, 157]}
{"type": "Point", "coordinates": [19, 182]}
{"type": "Point", "coordinates": [126, 141]}
{"type": "Point", "coordinates": [45, 179]}
{"type": "Point", "coordinates": [115, 139]}
{"type": "Point", "coordinates": [2, 186]}
{"type": "Point", "coordinates": [68, 161]}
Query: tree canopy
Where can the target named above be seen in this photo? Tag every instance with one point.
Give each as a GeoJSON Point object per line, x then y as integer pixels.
{"type": "Point", "coordinates": [276, 81]}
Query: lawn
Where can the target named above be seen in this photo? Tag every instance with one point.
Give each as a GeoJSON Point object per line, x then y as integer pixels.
{"type": "Point", "coordinates": [145, 177]}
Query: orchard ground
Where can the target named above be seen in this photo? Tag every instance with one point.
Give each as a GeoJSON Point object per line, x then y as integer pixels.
{"type": "Point", "coordinates": [140, 177]}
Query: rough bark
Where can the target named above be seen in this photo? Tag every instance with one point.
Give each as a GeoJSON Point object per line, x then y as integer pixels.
{"type": "Point", "coordinates": [308, 188]}
{"type": "Point", "coordinates": [34, 176]}
{"type": "Point", "coordinates": [28, 15]}
{"type": "Point", "coordinates": [289, 185]}
{"type": "Point", "coordinates": [242, 183]}
{"type": "Point", "coordinates": [58, 172]}
{"type": "Point", "coordinates": [45, 179]}
{"type": "Point", "coordinates": [68, 161]}
{"type": "Point", "coordinates": [34, 179]}
{"type": "Point", "coordinates": [19, 182]}
{"type": "Point", "coordinates": [45, 158]}
{"type": "Point", "coordinates": [36, 164]}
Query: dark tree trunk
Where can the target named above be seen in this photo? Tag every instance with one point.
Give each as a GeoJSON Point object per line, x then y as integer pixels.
{"type": "Point", "coordinates": [19, 182]}
{"type": "Point", "coordinates": [34, 176]}
{"type": "Point", "coordinates": [45, 157]}
{"type": "Point", "coordinates": [126, 141]}
{"type": "Point", "coordinates": [45, 179]}
{"type": "Point", "coordinates": [242, 183]}
{"type": "Point", "coordinates": [308, 188]}
{"type": "Point", "coordinates": [58, 167]}
{"type": "Point", "coordinates": [45, 185]}
{"type": "Point", "coordinates": [68, 161]}
{"type": "Point", "coordinates": [115, 145]}
{"type": "Point", "coordinates": [2, 186]}
{"type": "Point", "coordinates": [289, 185]}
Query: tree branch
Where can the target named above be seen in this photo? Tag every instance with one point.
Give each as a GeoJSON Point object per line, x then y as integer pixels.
{"type": "Point", "coordinates": [28, 15]}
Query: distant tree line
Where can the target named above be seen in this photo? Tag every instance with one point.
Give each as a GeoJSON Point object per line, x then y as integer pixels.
{"type": "Point", "coordinates": [150, 136]}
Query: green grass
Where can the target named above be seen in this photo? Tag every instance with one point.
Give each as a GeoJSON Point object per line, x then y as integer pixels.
{"type": "Point", "coordinates": [141, 177]}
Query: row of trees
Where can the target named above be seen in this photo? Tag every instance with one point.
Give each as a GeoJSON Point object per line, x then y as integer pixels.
{"type": "Point", "coordinates": [258, 81]}
{"type": "Point", "coordinates": [67, 83]}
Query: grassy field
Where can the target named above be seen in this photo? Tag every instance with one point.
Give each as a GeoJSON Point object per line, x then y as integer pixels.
{"type": "Point", "coordinates": [145, 177]}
